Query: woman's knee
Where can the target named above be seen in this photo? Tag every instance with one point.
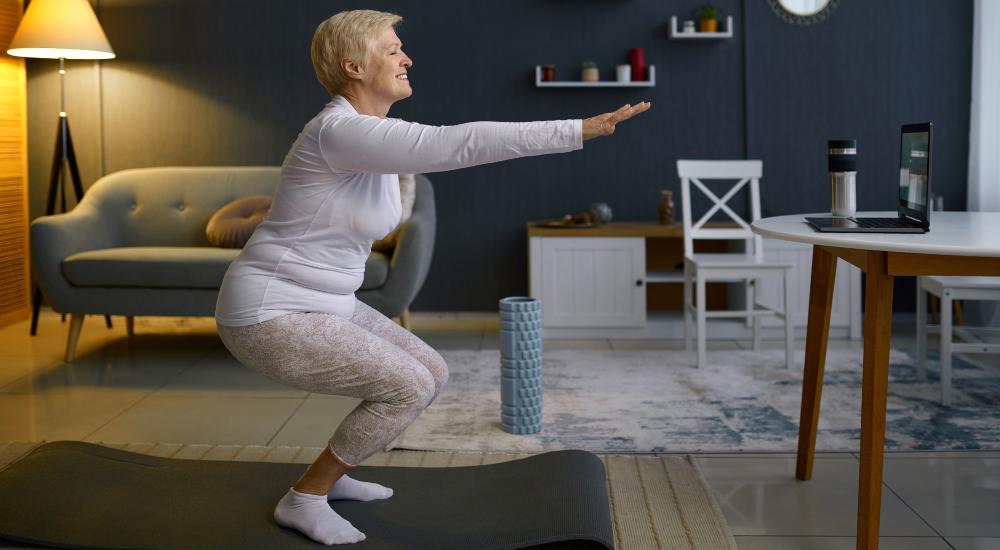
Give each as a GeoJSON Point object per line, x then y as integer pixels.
{"type": "Point", "coordinates": [438, 369]}
{"type": "Point", "coordinates": [415, 388]}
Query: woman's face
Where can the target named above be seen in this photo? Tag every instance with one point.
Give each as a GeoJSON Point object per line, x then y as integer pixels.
{"type": "Point", "coordinates": [387, 76]}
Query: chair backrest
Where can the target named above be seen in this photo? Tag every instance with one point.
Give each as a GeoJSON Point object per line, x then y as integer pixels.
{"type": "Point", "coordinates": [745, 172]}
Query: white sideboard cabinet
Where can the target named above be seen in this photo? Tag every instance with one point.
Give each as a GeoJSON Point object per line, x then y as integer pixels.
{"type": "Point", "coordinates": [593, 284]}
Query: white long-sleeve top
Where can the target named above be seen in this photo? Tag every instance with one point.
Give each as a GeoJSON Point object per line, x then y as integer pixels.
{"type": "Point", "coordinates": [339, 192]}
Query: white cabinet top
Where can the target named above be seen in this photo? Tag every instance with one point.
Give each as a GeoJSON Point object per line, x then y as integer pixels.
{"type": "Point", "coordinates": [951, 233]}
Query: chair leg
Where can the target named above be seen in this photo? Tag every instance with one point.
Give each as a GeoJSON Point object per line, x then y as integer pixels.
{"type": "Point", "coordinates": [921, 331]}
{"type": "Point", "coordinates": [75, 325]}
{"type": "Point", "coordinates": [130, 325]}
{"type": "Point", "coordinates": [404, 319]}
{"type": "Point", "coordinates": [688, 303]}
{"type": "Point", "coordinates": [702, 332]}
{"type": "Point", "coordinates": [790, 310]}
{"type": "Point", "coordinates": [754, 284]}
{"type": "Point", "coordinates": [749, 288]}
{"type": "Point", "coordinates": [946, 337]}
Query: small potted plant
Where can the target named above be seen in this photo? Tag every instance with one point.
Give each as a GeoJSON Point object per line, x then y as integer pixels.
{"type": "Point", "coordinates": [708, 19]}
{"type": "Point", "coordinates": [588, 72]}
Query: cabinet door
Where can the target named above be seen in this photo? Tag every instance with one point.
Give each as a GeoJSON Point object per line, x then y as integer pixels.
{"type": "Point", "coordinates": [593, 281]}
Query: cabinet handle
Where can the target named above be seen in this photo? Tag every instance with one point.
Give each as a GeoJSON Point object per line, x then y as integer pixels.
{"type": "Point", "coordinates": [638, 282]}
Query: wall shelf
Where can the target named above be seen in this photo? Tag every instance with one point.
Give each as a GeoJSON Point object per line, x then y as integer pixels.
{"type": "Point", "coordinates": [539, 83]}
{"type": "Point", "coordinates": [676, 33]}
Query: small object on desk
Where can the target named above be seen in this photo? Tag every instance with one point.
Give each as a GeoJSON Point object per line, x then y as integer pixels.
{"type": "Point", "coordinates": [588, 72]}
{"type": "Point", "coordinates": [624, 73]}
{"type": "Point", "coordinates": [600, 212]}
{"type": "Point", "coordinates": [548, 73]}
{"type": "Point", "coordinates": [667, 208]}
{"type": "Point", "coordinates": [842, 161]}
{"type": "Point", "coordinates": [580, 219]}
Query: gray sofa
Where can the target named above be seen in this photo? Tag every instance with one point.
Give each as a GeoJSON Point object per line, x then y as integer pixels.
{"type": "Point", "coordinates": [136, 245]}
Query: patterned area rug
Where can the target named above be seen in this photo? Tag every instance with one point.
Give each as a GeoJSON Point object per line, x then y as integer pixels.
{"type": "Point", "coordinates": [655, 401]}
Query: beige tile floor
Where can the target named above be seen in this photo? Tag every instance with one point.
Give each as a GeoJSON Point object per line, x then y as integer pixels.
{"type": "Point", "coordinates": [174, 382]}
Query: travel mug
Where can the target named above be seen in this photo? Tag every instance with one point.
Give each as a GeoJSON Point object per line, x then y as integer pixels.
{"type": "Point", "coordinates": [843, 166]}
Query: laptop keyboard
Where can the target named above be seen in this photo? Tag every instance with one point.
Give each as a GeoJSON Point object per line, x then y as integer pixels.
{"type": "Point", "coordinates": [878, 222]}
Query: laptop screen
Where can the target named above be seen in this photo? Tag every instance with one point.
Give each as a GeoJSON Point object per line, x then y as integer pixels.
{"type": "Point", "coordinates": [914, 169]}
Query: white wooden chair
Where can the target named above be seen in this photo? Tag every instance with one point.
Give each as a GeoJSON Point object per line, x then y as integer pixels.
{"type": "Point", "coordinates": [948, 289]}
{"type": "Point", "coordinates": [747, 267]}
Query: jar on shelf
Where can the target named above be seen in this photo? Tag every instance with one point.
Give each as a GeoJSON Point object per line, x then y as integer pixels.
{"type": "Point", "coordinates": [667, 209]}
{"type": "Point", "coordinates": [548, 73]}
{"type": "Point", "coordinates": [588, 72]}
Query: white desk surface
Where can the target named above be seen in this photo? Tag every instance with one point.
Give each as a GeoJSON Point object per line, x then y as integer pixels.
{"type": "Point", "coordinates": [951, 233]}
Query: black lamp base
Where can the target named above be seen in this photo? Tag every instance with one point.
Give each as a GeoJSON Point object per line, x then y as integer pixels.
{"type": "Point", "coordinates": [64, 154]}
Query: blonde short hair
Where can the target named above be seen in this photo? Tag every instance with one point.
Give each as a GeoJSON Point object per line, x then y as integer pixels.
{"type": "Point", "coordinates": [347, 35]}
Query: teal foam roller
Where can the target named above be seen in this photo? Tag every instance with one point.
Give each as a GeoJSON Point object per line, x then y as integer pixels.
{"type": "Point", "coordinates": [520, 383]}
{"type": "Point", "coordinates": [520, 401]}
{"type": "Point", "coordinates": [515, 364]}
{"type": "Point", "coordinates": [523, 397]}
{"type": "Point", "coordinates": [521, 430]}
{"type": "Point", "coordinates": [520, 339]}
{"type": "Point", "coordinates": [518, 420]}
{"type": "Point", "coordinates": [521, 325]}
{"type": "Point", "coordinates": [511, 347]}
{"type": "Point", "coordinates": [514, 396]}
{"type": "Point", "coordinates": [520, 303]}
{"type": "Point", "coordinates": [525, 316]}
{"type": "Point", "coordinates": [521, 373]}
{"type": "Point", "coordinates": [520, 411]}
{"type": "Point", "coordinates": [519, 336]}
{"type": "Point", "coordinates": [522, 355]}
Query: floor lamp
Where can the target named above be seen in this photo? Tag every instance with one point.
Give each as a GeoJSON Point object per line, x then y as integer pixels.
{"type": "Point", "coordinates": [60, 29]}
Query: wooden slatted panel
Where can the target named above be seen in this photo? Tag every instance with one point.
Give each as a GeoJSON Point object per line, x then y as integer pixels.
{"type": "Point", "coordinates": [14, 278]}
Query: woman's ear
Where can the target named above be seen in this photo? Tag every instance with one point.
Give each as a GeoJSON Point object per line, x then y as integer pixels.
{"type": "Point", "coordinates": [352, 69]}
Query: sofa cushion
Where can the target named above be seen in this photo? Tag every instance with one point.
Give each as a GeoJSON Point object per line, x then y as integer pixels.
{"type": "Point", "coordinates": [407, 196]}
{"type": "Point", "coordinates": [376, 271]}
{"type": "Point", "coordinates": [174, 267]}
{"type": "Point", "coordinates": [150, 267]}
{"type": "Point", "coordinates": [232, 225]}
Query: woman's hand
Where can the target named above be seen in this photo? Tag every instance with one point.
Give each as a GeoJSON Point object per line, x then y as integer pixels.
{"type": "Point", "coordinates": [604, 125]}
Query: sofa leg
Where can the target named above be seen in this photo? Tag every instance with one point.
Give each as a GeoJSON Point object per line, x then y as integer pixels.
{"type": "Point", "coordinates": [75, 324]}
{"type": "Point", "coordinates": [130, 325]}
{"type": "Point", "coordinates": [404, 318]}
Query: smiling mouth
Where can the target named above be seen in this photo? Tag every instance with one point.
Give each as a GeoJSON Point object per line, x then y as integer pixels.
{"type": "Point", "coordinates": [403, 76]}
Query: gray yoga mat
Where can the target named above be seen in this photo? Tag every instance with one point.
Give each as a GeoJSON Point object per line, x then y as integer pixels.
{"type": "Point", "coordinates": [80, 495]}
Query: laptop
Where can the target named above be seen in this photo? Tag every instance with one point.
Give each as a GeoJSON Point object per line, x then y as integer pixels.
{"type": "Point", "coordinates": [914, 191]}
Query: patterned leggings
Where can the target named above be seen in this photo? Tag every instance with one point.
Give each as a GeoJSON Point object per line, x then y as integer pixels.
{"type": "Point", "coordinates": [369, 357]}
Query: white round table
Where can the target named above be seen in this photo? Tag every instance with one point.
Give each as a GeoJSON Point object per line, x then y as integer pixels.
{"type": "Point", "coordinates": [958, 243]}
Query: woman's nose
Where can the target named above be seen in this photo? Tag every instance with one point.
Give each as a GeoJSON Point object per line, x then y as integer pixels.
{"type": "Point", "coordinates": [407, 62]}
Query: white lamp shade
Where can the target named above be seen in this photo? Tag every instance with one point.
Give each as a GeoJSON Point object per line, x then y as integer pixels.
{"type": "Point", "coordinates": [60, 28]}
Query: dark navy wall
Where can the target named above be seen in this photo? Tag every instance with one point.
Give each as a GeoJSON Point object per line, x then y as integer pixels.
{"type": "Point", "coordinates": [227, 82]}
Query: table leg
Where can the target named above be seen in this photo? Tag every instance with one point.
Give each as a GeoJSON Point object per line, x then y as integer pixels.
{"type": "Point", "coordinates": [824, 272]}
{"type": "Point", "coordinates": [874, 386]}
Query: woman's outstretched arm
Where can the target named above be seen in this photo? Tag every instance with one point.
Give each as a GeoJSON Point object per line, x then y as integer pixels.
{"type": "Point", "coordinates": [360, 143]}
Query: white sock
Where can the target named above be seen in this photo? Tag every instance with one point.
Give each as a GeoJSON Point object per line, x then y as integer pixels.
{"type": "Point", "coordinates": [348, 488]}
{"type": "Point", "coordinates": [312, 516]}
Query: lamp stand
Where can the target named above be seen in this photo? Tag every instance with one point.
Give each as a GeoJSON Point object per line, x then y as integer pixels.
{"type": "Point", "coordinates": [64, 154]}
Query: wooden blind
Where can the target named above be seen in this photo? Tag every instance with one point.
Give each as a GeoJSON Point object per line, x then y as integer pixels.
{"type": "Point", "coordinates": [14, 279]}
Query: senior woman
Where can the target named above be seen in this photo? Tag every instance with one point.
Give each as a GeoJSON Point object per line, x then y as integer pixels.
{"type": "Point", "coordinates": [287, 307]}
